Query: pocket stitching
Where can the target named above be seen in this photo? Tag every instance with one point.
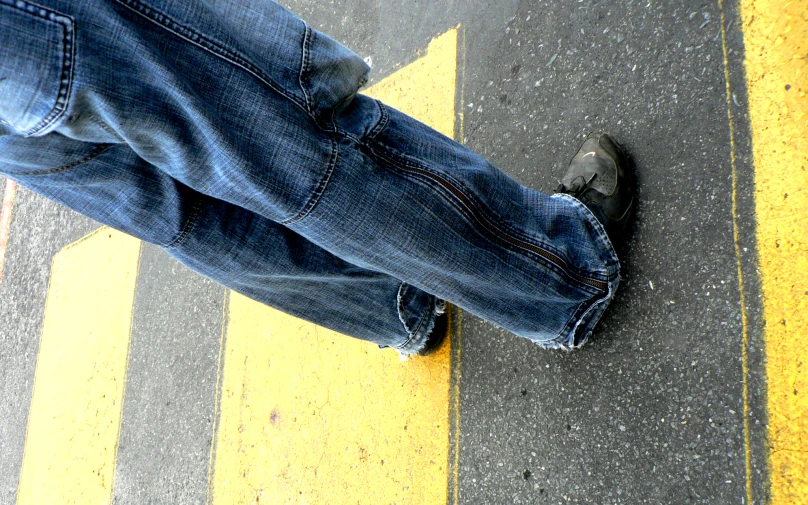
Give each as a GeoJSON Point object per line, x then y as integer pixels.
{"type": "Point", "coordinates": [94, 153]}
{"type": "Point", "coordinates": [68, 58]}
{"type": "Point", "coordinates": [208, 45]}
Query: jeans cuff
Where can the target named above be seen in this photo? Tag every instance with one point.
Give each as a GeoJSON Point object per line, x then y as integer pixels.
{"type": "Point", "coordinates": [579, 330]}
{"type": "Point", "coordinates": [418, 325]}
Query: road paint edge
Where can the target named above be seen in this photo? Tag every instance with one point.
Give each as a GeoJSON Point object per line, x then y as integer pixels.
{"type": "Point", "coordinates": [736, 238]}
{"type": "Point", "coordinates": [38, 369]}
{"type": "Point", "coordinates": [9, 195]}
{"type": "Point", "coordinates": [218, 395]}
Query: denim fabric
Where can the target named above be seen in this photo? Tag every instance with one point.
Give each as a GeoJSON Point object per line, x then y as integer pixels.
{"type": "Point", "coordinates": [232, 135]}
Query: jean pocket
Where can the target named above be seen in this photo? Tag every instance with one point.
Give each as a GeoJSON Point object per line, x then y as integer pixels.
{"type": "Point", "coordinates": [36, 66]}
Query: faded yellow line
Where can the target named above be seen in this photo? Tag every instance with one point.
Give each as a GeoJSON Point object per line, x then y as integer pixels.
{"type": "Point", "coordinates": [425, 89]}
{"type": "Point", "coordinates": [217, 401]}
{"type": "Point", "coordinates": [736, 238]}
{"type": "Point", "coordinates": [457, 314]}
{"type": "Point", "coordinates": [74, 421]}
{"type": "Point", "coordinates": [776, 43]}
{"type": "Point", "coordinates": [9, 193]}
{"type": "Point", "coordinates": [310, 416]}
{"type": "Point", "coordinates": [457, 321]}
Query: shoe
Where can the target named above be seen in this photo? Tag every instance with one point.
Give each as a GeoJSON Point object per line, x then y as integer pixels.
{"type": "Point", "coordinates": [437, 335]}
{"type": "Point", "coordinates": [601, 177]}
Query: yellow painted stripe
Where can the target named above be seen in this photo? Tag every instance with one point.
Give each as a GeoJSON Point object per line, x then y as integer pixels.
{"type": "Point", "coordinates": [9, 193]}
{"type": "Point", "coordinates": [309, 416]}
{"type": "Point", "coordinates": [425, 89]}
{"type": "Point", "coordinates": [74, 421]}
{"type": "Point", "coordinates": [457, 314]}
{"type": "Point", "coordinates": [776, 42]}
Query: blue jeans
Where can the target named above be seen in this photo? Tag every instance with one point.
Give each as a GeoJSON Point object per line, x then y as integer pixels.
{"type": "Point", "coordinates": [232, 135]}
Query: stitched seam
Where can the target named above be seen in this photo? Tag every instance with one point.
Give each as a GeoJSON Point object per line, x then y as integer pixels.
{"type": "Point", "coordinates": [400, 310]}
{"type": "Point", "coordinates": [208, 45]}
{"type": "Point", "coordinates": [333, 127]}
{"type": "Point", "coordinates": [416, 333]}
{"type": "Point", "coordinates": [317, 195]}
{"type": "Point", "coordinates": [569, 325]}
{"type": "Point", "coordinates": [304, 65]}
{"type": "Point", "coordinates": [104, 126]}
{"type": "Point", "coordinates": [97, 150]}
{"type": "Point", "coordinates": [196, 211]}
{"type": "Point", "coordinates": [598, 227]}
{"type": "Point", "coordinates": [483, 214]}
{"type": "Point", "coordinates": [412, 333]}
{"type": "Point", "coordinates": [409, 161]}
{"type": "Point", "coordinates": [382, 123]}
{"type": "Point", "coordinates": [68, 53]}
{"type": "Point", "coordinates": [581, 311]}
{"type": "Point", "coordinates": [334, 158]}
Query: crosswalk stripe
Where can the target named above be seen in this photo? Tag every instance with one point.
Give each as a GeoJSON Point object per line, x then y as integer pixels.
{"type": "Point", "coordinates": [9, 193]}
{"type": "Point", "coordinates": [311, 416]}
{"type": "Point", "coordinates": [776, 42]}
{"type": "Point", "coordinates": [74, 420]}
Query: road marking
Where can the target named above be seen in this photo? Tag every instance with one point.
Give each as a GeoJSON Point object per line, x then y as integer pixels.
{"type": "Point", "coordinates": [9, 193]}
{"type": "Point", "coordinates": [311, 416]}
{"type": "Point", "coordinates": [776, 44]}
{"type": "Point", "coordinates": [457, 314]}
{"type": "Point", "coordinates": [74, 421]}
{"type": "Point", "coordinates": [425, 89]}
{"type": "Point", "coordinates": [741, 290]}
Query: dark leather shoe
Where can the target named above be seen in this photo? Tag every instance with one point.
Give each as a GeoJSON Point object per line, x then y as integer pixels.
{"type": "Point", "coordinates": [437, 335]}
{"type": "Point", "coordinates": [600, 177]}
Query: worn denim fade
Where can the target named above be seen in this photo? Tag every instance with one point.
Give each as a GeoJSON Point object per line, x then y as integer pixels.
{"type": "Point", "coordinates": [232, 135]}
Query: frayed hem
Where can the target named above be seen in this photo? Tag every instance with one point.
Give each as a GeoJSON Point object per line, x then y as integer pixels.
{"type": "Point", "coordinates": [418, 337]}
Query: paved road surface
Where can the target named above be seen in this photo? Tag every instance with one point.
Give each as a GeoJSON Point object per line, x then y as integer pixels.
{"type": "Point", "coordinates": [126, 378]}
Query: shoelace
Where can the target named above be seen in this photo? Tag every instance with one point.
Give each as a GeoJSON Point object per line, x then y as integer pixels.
{"type": "Point", "coordinates": [575, 189]}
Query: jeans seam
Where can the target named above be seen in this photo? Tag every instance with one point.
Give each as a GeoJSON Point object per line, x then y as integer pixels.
{"type": "Point", "coordinates": [190, 223]}
{"type": "Point", "coordinates": [412, 333]}
{"type": "Point", "coordinates": [68, 61]}
{"type": "Point", "coordinates": [600, 231]}
{"type": "Point", "coordinates": [94, 153]}
{"type": "Point", "coordinates": [104, 126]}
{"type": "Point", "coordinates": [381, 124]}
{"type": "Point", "coordinates": [405, 161]}
{"type": "Point", "coordinates": [210, 46]}
{"type": "Point", "coordinates": [569, 326]}
{"type": "Point", "coordinates": [333, 128]}
{"type": "Point", "coordinates": [318, 192]}
{"type": "Point", "coordinates": [593, 312]}
{"type": "Point", "coordinates": [304, 66]}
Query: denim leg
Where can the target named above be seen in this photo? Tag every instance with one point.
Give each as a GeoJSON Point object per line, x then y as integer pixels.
{"type": "Point", "coordinates": [231, 245]}
{"type": "Point", "coordinates": [245, 103]}
{"type": "Point", "coordinates": [454, 225]}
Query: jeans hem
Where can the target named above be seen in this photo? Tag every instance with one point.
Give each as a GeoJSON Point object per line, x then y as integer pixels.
{"type": "Point", "coordinates": [418, 335]}
{"type": "Point", "coordinates": [578, 330]}
{"type": "Point", "coordinates": [599, 237]}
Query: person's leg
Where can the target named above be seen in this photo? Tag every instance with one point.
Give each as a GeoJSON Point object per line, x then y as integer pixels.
{"type": "Point", "coordinates": [245, 103]}
{"type": "Point", "coordinates": [458, 227]}
{"type": "Point", "coordinates": [233, 246]}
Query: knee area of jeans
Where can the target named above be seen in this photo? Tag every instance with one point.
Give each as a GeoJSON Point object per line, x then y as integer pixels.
{"type": "Point", "coordinates": [331, 72]}
{"type": "Point", "coordinates": [359, 116]}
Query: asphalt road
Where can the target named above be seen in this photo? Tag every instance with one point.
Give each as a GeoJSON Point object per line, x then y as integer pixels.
{"type": "Point", "coordinates": [652, 411]}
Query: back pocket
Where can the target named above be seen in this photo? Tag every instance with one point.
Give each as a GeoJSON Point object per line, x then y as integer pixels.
{"type": "Point", "coordinates": [36, 66]}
